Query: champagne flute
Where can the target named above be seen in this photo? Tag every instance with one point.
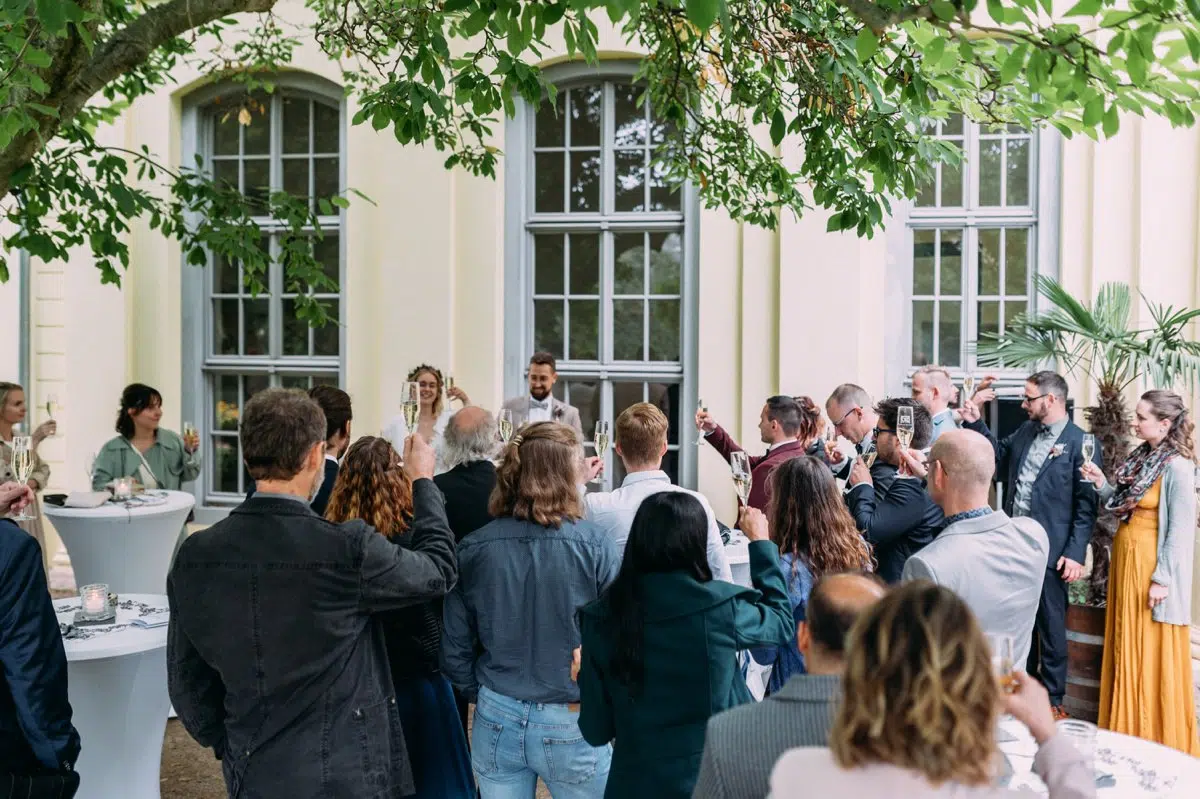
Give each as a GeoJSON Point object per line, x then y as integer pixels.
{"type": "Point", "coordinates": [968, 388]}
{"type": "Point", "coordinates": [600, 440]}
{"type": "Point", "coordinates": [51, 405]}
{"type": "Point", "coordinates": [1089, 447]}
{"type": "Point", "coordinates": [410, 404]}
{"type": "Point", "coordinates": [504, 422]}
{"type": "Point", "coordinates": [1003, 661]}
{"type": "Point", "coordinates": [190, 434]}
{"type": "Point", "coordinates": [89, 464]}
{"type": "Point", "coordinates": [869, 458]}
{"type": "Point", "coordinates": [905, 425]}
{"type": "Point", "coordinates": [449, 387]}
{"type": "Point", "coordinates": [702, 408]}
{"type": "Point", "coordinates": [22, 465]}
{"type": "Point", "coordinates": [739, 464]}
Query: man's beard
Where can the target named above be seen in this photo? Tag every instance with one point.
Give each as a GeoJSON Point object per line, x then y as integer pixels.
{"type": "Point", "coordinates": [318, 481]}
{"type": "Point", "coordinates": [539, 393]}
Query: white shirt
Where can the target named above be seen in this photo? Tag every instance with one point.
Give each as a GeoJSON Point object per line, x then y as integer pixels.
{"type": "Point", "coordinates": [397, 430]}
{"type": "Point", "coordinates": [614, 512]}
{"type": "Point", "coordinates": [781, 443]}
{"type": "Point", "coordinates": [537, 413]}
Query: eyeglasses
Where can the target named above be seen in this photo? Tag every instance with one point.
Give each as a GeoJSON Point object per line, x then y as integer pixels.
{"type": "Point", "coordinates": [1028, 398]}
{"type": "Point", "coordinates": [846, 416]}
{"type": "Point", "coordinates": [877, 430]}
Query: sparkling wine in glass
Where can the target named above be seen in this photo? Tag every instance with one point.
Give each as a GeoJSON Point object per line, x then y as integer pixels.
{"type": "Point", "coordinates": [702, 408]}
{"type": "Point", "coordinates": [1089, 447]}
{"type": "Point", "coordinates": [600, 440]}
{"type": "Point", "coordinates": [869, 458]}
{"type": "Point", "coordinates": [410, 403]}
{"type": "Point", "coordinates": [1003, 661]}
{"type": "Point", "coordinates": [968, 387]}
{"type": "Point", "coordinates": [51, 405]}
{"type": "Point", "coordinates": [905, 426]}
{"type": "Point", "coordinates": [739, 464]}
{"type": "Point", "coordinates": [449, 387]}
{"type": "Point", "coordinates": [22, 465]}
{"type": "Point", "coordinates": [504, 421]}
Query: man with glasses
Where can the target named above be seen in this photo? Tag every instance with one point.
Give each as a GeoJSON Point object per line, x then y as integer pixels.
{"type": "Point", "coordinates": [898, 519]}
{"type": "Point", "coordinates": [1039, 465]}
{"type": "Point", "coordinates": [852, 413]}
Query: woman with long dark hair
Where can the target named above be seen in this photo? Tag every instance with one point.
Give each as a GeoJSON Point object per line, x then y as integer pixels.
{"type": "Point", "coordinates": [155, 456]}
{"type": "Point", "coordinates": [372, 486]}
{"type": "Point", "coordinates": [660, 646]}
{"type": "Point", "coordinates": [1146, 679]}
{"type": "Point", "coordinates": [816, 536]}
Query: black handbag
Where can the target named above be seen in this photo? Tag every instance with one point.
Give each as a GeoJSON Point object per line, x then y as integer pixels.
{"type": "Point", "coordinates": [57, 785]}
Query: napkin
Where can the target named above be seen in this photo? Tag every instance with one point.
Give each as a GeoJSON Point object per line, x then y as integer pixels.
{"type": "Point", "coordinates": [152, 620]}
{"type": "Point", "coordinates": [86, 499]}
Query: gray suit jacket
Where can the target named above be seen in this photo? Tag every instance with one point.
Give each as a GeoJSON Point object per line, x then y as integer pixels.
{"type": "Point", "coordinates": [996, 564]}
{"type": "Point", "coordinates": [742, 744]}
{"type": "Point", "coordinates": [559, 412]}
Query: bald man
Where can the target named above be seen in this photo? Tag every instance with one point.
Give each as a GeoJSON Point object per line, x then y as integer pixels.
{"type": "Point", "coordinates": [994, 562]}
{"type": "Point", "coordinates": [741, 745]}
{"type": "Point", "coordinates": [932, 387]}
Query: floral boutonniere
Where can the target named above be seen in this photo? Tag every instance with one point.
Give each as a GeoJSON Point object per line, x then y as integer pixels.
{"type": "Point", "coordinates": [1056, 450]}
{"type": "Point", "coordinates": [558, 412]}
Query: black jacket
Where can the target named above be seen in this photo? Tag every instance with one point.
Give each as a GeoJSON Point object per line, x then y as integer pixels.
{"type": "Point", "coordinates": [321, 500]}
{"type": "Point", "coordinates": [898, 520]}
{"type": "Point", "coordinates": [35, 717]}
{"type": "Point", "coordinates": [275, 657]}
{"type": "Point", "coordinates": [467, 488]}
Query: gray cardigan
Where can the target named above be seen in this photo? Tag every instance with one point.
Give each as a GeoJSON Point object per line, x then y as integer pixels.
{"type": "Point", "coordinates": [1176, 539]}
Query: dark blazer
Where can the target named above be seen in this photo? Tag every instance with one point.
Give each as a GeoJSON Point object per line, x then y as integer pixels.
{"type": "Point", "coordinates": [467, 488]}
{"type": "Point", "coordinates": [1063, 502]}
{"type": "Point", "coordinates": [693, 632]}
{"type": "Point", "coordinates": [35, 717]}
{"type": "Point", "coordinates": [897, 520]}
{"type": "Point", "coordinates": [274, 657]}
{"type": "Point", "coordinates": [321, 500]}
{"type": "Point", "coordinates": [761, 466]}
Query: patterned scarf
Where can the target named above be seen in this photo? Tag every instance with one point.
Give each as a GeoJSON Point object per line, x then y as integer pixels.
{"type": "Point", "coordinates": [1136, 475]}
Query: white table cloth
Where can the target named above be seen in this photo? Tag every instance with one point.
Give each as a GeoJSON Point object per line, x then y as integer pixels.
{"type": "Point", "coordinates": [129, 545]}
{"type": "Point", "coordinates": [737, 552]}
{"type": "Point", "coordinates": [1140, 768]}
{"type": "Point", "coordinates": [117, 683]}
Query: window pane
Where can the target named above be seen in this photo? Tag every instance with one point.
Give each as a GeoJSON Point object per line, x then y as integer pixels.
{"type": "Point", "coordinates": [225, 173]}
{"type": "Point", "coordinates": [225, 133]}
{"type": "Point", "coordinates": [295, 176]}
{"type": "Point", "coordinates": [950, 334]}
{"type": "Point", "coordinates": [666, 263]}
{"type": "Point", "coordinates": [1016, 261]}
{"type": "Point", "coordinates": [326, 181]}
{"type": "Point", "coordinates": [631, 125]}
{"type": "Point", "coordinates": [989, 317]}
{"type": "Point", "coordinates": [550, 122]}
{"type": "Point", "coordinates": [951, 267]}
{"type": "Point", "coordinates": [257, 332]}
{"type": "Point", "coordinates": [328, 254]}
{"type": "Point", "coordinates": [927, 192]}
{"type": "Point", "coordinates": [327, 338]}
{"type": "Point", "coordinates": [252, 384]}
{"type": "Point", "coordinates": [226, 408]}
{"type": "Point", "coordinates": [990, 174]}
{"type": "Point", "coordinates": [585, 263]}
{"type": "Point", "coordinates": [584, 394]}
{"type": "Point", "coordinates": [952, 185]}
{"type": "Point", "coordinates": [295, 125]}
{"type": "Point", "coordinates": [664, 330]}
{"type": "Point", "coordinates": [585, 182]}
{"type": "Point", "coordinates": [548, 264]}
{"type": "Point", "coordinates": [922, 332]}
{"type": "Point", "coordinates": [294, 381]}
{"type": "Point", "coordinates": [1012, 309]}
{"type": "Point", "coordinates": [225, 464]}
{"type": "Point", "coordinates": [663, 195]}
{"type": "Point", "coordinates": [295, 331]}
{"type": "Point", "coordinates": [585, 330]}
{"type": "Point", "coordinates": [325, 380]}
{"type": "Point", "coordinates": [225, 327]}
{"type": "Point", "coordinates": [327, 126]}
{"type": "Point", "coordinates": [953, 125]}
{"type": "Point", "coordinates": [257, 135]}
{"type": "Point", "coordinates": [548, 326]}
{"type": "Point", "coordinates": [1018, 172]}
{"type": "Point", "coordinates": [630, 180]}
{"type": "Point", "coordinates": [989, 262]}
{"type": "Point", "coordinates": [256, 177]}
{"type": "Point", "coordinates": [548, 183]}
{"type": "Point", "coordinates": [924, 242]}
{"type": "Point", "coordinates": [628, 330]}
{"type": "Point", "coordinates": [629, 263]}
{"type": "Point", "coordinates": [225, 276]}
{"type": "Point", "coordinates": [585, 117]}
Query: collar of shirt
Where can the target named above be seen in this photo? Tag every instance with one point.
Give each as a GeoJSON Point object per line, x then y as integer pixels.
{"type": "Point", "coordinates": [333, 458]}
{"type": "Point", "coordinates": [948, 412]}
{"type": "Point", "coordinates": [273, 495]}
{"type": "Point", "coordinates": [778, 444]}
{"type": "Point", "coordinates": [643, 477]}
{"type": "Point", "coordinates": [536, 403]}
{"type": "Point", "coordinates": [968, 514]}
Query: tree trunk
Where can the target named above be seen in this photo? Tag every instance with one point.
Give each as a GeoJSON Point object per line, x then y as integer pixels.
{"type": "Point", "coordinates": [1109, 420]}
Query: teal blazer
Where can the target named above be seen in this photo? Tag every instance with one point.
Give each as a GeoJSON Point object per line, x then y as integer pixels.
{"type": "Point", "coordinates": [693, 632]}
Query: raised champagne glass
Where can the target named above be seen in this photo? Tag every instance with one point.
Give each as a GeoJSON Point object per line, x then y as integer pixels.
{"type": "Point", "coordinates": [51, 405]}
{"type": "Point", "coordinates": [701, 408]}
{"type": "Point", "coordinates": [22, 465]}
{"type": "Point", "coordinates": [869, 458]}
{"type": "Point", "coordinates": [1089, 447]}
{"type": "Point", "coordinates": [739, 464]}
{"type": "Point", "coordinates": [504, 423]}
{"type": "Point", "coordinates": [410, 404]}
{"type": "Point", "coordinates": [968, 387]}
{"type": "Point", "coordinates": [449, 387]}
{"type": "Point", "coordinates": [600, 440]}
{"type": "Point", "coordinates": [1003, 661]}
{"type": "Point", "coordinates": [904, 426]}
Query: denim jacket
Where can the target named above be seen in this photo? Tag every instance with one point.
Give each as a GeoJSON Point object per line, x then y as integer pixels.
{"type": "Point", "coordinates": [510, 622]}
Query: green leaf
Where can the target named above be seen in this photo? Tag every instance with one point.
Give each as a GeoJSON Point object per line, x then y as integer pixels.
{"type": "Point", "coordinates": [340, 202]}
{"type": "Point", "coordinates": [1085, 8]}
{"type": "Point", "coordinates": [703, 13]}
{"type": "Point", "coordinates": [52, 15]}
{"type": "Point", "coordinates": [944, 10]}
{"type": "Point", "coordinates": [996, 11]}
{"type": "Point", "coordinates": [834, 224]}
{"type": "Point", "coordinates": [778, 127]}
{"type": "Point", "coordinates": [1112, 121]}
{"type": "Point", "coordinates": [1093, 112]}
{"type": "Point", "coordinates": [1013, 65]}
{"type": "Point", "coordinates": [37, 58]}
{"type": "Point", "coordinates": [866, 45]}
{"type": "Point", "coordinates": [935, 51]}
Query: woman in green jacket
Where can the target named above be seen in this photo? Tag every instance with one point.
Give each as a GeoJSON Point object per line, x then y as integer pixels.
{"type": "Point", "coordinates": [156, 457]}
{"type": "Point", "coordinates": [660, 646]}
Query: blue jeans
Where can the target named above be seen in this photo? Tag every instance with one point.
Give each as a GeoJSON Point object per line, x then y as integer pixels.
{"type": "Point", "coordinates": [514, 742]}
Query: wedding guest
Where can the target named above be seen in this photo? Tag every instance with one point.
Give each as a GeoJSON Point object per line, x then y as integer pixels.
{"type": "Point", "coordinates": [373, 487]}
{"type": "Point", "coordinates": [510, 627]}
{"type": "Point", "coordinates": [1146, 679]}
{"type": "Point", "coordinates": [335, 404]}
{"type": "Point", "coordinates": [435, 411]}
{"type": "Point", "coordinates": [900, 519]}
{"type": "Point", "coordinates": [641, 444]}
{"type": "Point", "coordinates": [38, 744]}
{"type": "Point", "coordinates": [919, 654]}
{"type": "Point", "coordinates": [741, 745]}
{"type": "Point", "coordinates": [154, 456]}
{"type": "Point", "coordinates": [468, 448]}
{"type": "Point", "coordinates": [787, 425]}
{"type": "Point", "coordinates": [852, 414]}
{"type": "Point", "coordinates": [995, 563]}
{"type": "Point", "coordinates": [13, 412]}
{"type": "Point", "coordinates": [539, 404]}
{"type": "Point", "coordinates": [1039, 464]}
{"type": "Point", "coordinates": [933, 388]}
{"type": "Point", "coordinates": [660, 646]}
{"type": "Point", "coordinates": [816, 535]}
{"type": "Point", "coordinates": [275, 658]}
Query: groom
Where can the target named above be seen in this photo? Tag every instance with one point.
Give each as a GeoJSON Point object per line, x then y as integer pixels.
{"type": "Point", "coordinates": [539, 405]}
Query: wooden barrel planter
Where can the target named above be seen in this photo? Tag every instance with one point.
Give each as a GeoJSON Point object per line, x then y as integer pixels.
{"type": "Point", "coordinates": [1085, 656]}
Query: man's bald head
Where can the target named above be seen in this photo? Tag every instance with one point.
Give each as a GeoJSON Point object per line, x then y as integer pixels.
{"type": "Point", "coordinates": [961, 466]}
{"type": "Point", "coordinates": [836, 602]}
{"type": "Point", "coordinates": [470, 436]}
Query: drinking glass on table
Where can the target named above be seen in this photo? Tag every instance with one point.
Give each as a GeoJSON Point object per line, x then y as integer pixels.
{"type": "Point", "coordinates": [22, 466]}
{"type": "Point", "coordinates": [905, 425]}
{"type": "Point", "coordinates": [1082, 736]}
{"type": "Point", "coordinates": [600, 440]}
{"type": "Point", "coordinates": [739, 464]}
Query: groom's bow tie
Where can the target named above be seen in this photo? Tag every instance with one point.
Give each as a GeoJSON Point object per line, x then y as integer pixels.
{"type": "Point", "coordinates": [540, 404]}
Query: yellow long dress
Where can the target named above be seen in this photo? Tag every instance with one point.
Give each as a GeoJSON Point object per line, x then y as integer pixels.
{"type": "Point", "coordinates": [1146, 679]}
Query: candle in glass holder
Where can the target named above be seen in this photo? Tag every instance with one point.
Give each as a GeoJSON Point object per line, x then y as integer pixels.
{"type": "Point", "coordinates": [94, 600]}
{"type": "Point", "coordinates": [123, 489]}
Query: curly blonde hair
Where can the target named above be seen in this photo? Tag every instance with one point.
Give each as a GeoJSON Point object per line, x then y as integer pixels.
{"type": "Point", "coordinates": [919, 689]}
{"type": "Point", "coordinates": [537, 480]}
{"type": "Point", "coordinates": [426, 369]}
{"type": "Point", "coordinates": [373, 487]}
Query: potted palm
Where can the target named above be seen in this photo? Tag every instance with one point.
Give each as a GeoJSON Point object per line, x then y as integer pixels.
{"type": "Point", "coordinates": [1103, 343]}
